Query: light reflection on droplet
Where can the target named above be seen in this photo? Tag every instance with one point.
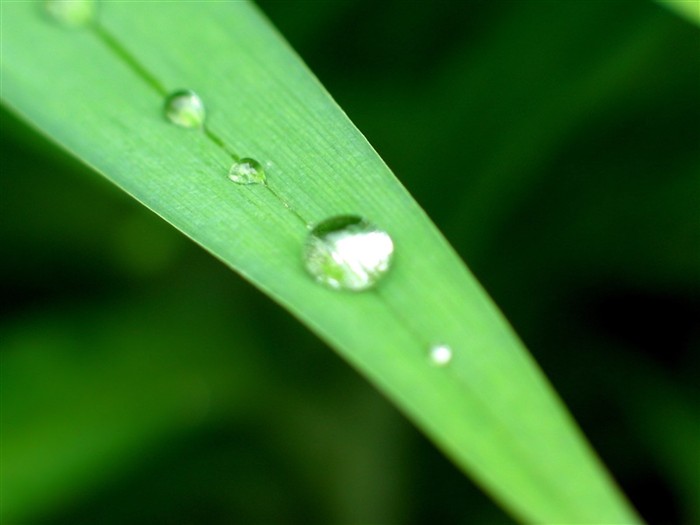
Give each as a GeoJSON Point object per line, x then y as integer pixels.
{"type": "Point", "coordinates": [440, 355]}
{"type": "Point", "coordinates": [71, 13]}
{"type": "Point", "coordinates": [185, 108]}
{"type": "Point", "coordinates": [247, 171]}
{"type": "Point", "coordinates": [347, 252]}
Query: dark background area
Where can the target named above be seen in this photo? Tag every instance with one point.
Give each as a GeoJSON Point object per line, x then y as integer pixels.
{"type": "Point", "coordinates": [556, 145]}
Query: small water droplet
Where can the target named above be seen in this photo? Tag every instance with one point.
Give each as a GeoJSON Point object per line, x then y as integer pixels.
{"type": "Point", "coordinates": [440, 355]}
{"type": "Point", "coordinates": [348, 253]}
{"type": "Point", "coordinates": [247, 171]}
{"type": "Point", "coordinates": [71, 13]}
{"type": "Point", "coordinates": [185, 108]}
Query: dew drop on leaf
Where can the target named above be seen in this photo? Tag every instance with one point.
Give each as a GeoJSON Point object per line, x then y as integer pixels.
{"type": "Point", "coordinates": [71, 13]}
{"type": "Point", "coordinates": [185, 108]}
{"type": "Point", "coordinates": [247, 171]}
{"type": "Point", "coordinates": [348, 253]}
{"type": "Point", "coordinates": [440, 355]}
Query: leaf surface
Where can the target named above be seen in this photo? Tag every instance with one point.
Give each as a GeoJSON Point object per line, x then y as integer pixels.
{"type": "Point", "coordinates": [98, 91]}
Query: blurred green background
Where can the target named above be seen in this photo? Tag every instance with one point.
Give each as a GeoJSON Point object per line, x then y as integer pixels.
{"type": "Point", "coordinates": [557, 146]}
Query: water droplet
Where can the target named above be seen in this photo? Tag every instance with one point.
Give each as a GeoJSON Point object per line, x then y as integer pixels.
{"type": "Point", "coordinates": [247, 171]}
{"type": "Point", "coordinates": [71, 13]}
{"type": "Point", "coordinates": [348, 253]}
{"type": "Point", "coordinates": [185, 108]}
{"type": "Point", "coordinates": [440, 355]}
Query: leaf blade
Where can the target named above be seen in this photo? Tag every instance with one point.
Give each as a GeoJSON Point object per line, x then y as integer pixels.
{"type": "Point", "coordinates": [491, 409]}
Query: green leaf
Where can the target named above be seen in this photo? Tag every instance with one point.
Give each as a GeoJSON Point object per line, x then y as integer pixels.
{"type": "Point", "coordinates": [99, 91]}
{"type": "Point", "coordinates": [689, 9]}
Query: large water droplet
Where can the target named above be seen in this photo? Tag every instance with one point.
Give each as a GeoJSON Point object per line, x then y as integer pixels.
{"type": "Point", "coordinates": [185, 108]}
{"type": "Point", "coordinates": [71, 13]}
{"type": "Point", "coordinates": [440, 355]}
{"type": "Point", "coordinates": [247, 171]}
{"type": "Point", "coordinates": [348, 253]}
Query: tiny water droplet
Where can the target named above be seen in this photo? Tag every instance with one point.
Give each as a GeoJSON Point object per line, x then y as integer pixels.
{"type": "Point", "coordinates": [440, 355]}
{"type": "Point", "coordinates": [348, 253]}
{"type": "Point", "coordinates": [71, 13]}
{"type": "Point", "coordinates": [185, 108]}
{"type": "Point", "coordinates": [247, 171]}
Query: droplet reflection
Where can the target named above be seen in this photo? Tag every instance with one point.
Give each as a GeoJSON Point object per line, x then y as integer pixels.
{"type": "Point", "coordinates": [247, 171]}
{"type": "Point", "coordinates": [185, 108]}
{"type": "Point", "coordinates": [71, 13]}
{"type": "Point", "coordinates": [440, 355]}
{"type": "Point", "coordinates": [348, 253]}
